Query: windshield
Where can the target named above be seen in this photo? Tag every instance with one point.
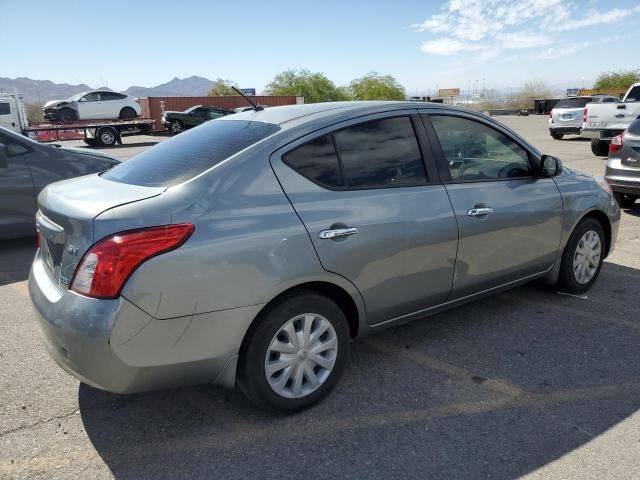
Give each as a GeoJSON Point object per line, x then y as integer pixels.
{"type": "Point", "coordinates": [634, 95]}
{"type": "Point", "coordinates": [76, 97]}
{"type": "Point", "coordinates": [577, 102]}
{"type": "Point", "coordinates": [183, 157]}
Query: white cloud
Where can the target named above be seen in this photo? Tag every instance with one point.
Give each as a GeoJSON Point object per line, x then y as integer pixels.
{"type": "Point", "coordinates": [448, 46]}
{"type": "Point", "coordinates": [493, 26]}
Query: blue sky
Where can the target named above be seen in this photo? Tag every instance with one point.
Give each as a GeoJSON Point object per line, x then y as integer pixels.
{"type": "Point", "coordinates": [424, 44]}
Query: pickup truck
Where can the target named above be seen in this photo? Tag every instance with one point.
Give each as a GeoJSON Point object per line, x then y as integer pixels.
{"type": "Point", "coordinates": [603, 121]}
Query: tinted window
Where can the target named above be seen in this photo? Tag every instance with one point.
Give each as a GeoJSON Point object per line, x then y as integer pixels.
{"type": "Point", "coordinates": [634, 95]}
{"type": "Point", "coordinates": [384, 153]}
{"type": "Point", "coordinates": [13, 148]}
{"type": "Point", "coordinates": [578, 102]}
{"type": "Point", "coordinates": [92, 97]}
{"type": "Point", "coordinates": [111, 96]}
{"type": "Point", "coordinates": [634, 128]}
{"type": "Point", "coordinates": [211, 114]}
{"type": "Point", "coordinates": [477, 152]}
{"type": "Point", "coordinates": [190, 153]}
{"type": "Point", "coordinates": [5, 109]}
{"type": "Point", "coordinates": [317, 161]}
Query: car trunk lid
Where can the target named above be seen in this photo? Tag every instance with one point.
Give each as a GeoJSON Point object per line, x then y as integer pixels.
{"type": "Point", "coordinates": [65, 218]}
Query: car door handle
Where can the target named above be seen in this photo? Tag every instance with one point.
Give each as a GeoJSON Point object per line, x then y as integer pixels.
{"type": "Point", "coordinates": [337, 232]}
{"type": "Point", "coordinates": [479, 212]}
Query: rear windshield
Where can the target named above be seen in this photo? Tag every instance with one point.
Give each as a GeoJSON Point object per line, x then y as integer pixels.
{"type": "Point", "coordinates": [190, 153]}
{"type": "Point", "coordinates": [634, 128]}
{"type": "Point", "coordinates": [579, 102]}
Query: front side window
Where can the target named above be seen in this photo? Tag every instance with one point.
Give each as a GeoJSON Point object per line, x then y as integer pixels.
{"type": "Point", "coordinates": [92, 97]}
{"type": "Point", "coordinates": [5, 108]}
{"type": "Point", "coordinates": [13, 148]}
{"type": "Point", "coordinates": [634, 95]}
{"type": "Point", "coordinates": [381, 153]}
{"type": "Point", "coordinates": [475, 151]}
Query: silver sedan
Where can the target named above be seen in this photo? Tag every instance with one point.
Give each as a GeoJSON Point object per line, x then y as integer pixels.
{"type": "Point", "coordinates": [252, 249]}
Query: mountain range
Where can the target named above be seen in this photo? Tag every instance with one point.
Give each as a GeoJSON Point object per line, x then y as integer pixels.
{"type": "Point", "coordinates": [38, 92]}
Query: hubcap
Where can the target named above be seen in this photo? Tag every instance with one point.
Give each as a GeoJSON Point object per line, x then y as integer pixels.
{"type": "Point", "coordinates": [587, 257]}
{"type": "Point", "coordinates": [301, 355]}
{"type": "Point", "coordinates": [175, 126]}
{"type": "Point", "coordinates": [107, 138]}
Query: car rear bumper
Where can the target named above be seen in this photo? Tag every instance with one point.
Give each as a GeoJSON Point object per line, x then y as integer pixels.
{"type": "Point", "coordinates": [115, 346]}
{"type": "Point", "coordinates": [564, 130]}
{"type": "Point", "coordinates": [621, 178]}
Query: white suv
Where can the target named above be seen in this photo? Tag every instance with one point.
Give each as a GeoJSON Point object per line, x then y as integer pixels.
{"type": "Point", "coordinates": [96, 105]}
{"type": "Point", "coordinates": [566, 116]}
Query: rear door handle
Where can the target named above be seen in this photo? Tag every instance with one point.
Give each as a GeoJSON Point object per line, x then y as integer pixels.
{"type": "Point", "coordinates": [479, 212]}
{"type": "Point", "coordinates": [337, 232]}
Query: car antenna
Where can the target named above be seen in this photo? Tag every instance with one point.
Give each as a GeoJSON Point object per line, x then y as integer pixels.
{"type": "Point", "coordinates": [257, 108]}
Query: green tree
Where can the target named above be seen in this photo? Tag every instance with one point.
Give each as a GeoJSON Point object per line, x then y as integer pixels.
{"type": "Point", "coordinates": [313, 86]}
{"type": "Point", "coordinates": [621, 79]}
{"type": "Point", "coordinates": [374, 86]}
{"type": "Point", "coordinates": [222, 88]}
{"type": "Point", "coordinates": [34, 113]}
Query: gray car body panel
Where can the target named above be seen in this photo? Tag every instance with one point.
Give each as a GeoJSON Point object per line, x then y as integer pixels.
{"type": "Point", "coordinates": [623, 166]}
{"type": "Point", "coordinates": [27, 174]}
{"type": "Point", "coordinates": [256, 237]}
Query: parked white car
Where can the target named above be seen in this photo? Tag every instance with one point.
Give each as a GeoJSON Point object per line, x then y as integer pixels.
{"type": "Point", "coordinates": [96, 105]}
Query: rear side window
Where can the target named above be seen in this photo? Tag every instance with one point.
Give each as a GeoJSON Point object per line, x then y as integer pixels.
{"type": "Point", "coordinates": [5, 109]}
{"type": "Point", "coordinates": [190, 153]}
{"type": "Point", "coordinates": [317, 161]}
{"type": "Point", "coordinates": [634, 128]}
{"type": "Point", "coordinates": [111, 96]}
{"type": "Point", "coordinates": [382, 153]}
{"type": "Point", "coordinates": [578, 102]}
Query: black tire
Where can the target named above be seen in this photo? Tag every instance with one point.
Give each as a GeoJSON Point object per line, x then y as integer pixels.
{"type": "Point", "coordinates": [557, 136]}
{"type": "Point", "coordinates": [107, 136]}
{"type": "Point", "coordinates": [67, 115]}
{"type": "Point", "coordinates": [127, 113]}
{"type": "Point", "coordinates": [600, 148]}
{"type": "Point", "coordinates": [624, 200]}
{"type": "Point", "coordinates": [176, 126]}
{"type": "Point", "coordinates": [252, 378]}
{"type": "Point", "coordinates": [91, 141]}
{"type": "Point", "coordinates": [567, 281]}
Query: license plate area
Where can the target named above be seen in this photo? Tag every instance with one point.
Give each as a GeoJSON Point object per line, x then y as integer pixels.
{"type": "Point", "coordinates": [52, 243]}
{"type": "Point", "coordinates": [567, 116]}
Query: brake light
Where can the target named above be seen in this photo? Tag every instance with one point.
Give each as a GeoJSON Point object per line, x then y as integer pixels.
{"type": "Point", "coordinates": [616, 143]}
{"type": "Point", "coordinates": [107, 265]}
{"type": "Point", "coordinates": [38, 240]}
{"type": "Point", "coordinates": [584, 116]}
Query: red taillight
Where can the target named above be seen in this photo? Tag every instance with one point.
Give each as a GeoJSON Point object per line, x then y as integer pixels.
{"type": "Point", "coordinates": [38, 240]}
{"type": "Point", "coordinates": [108, 264]}
{"type": "Point", "coordinates": [584, 116]}
{"type": "Point", "coordinates": [616, 143]}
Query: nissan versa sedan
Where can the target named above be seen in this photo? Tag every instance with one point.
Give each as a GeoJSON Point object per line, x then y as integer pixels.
{"type": "Point", "coordinates": [623, 165]}
{"type": "Point", "coordinates": [252, 249]}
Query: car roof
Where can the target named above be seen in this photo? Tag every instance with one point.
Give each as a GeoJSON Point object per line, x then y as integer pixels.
{"type": "Point", "coordinates": [311, 111]}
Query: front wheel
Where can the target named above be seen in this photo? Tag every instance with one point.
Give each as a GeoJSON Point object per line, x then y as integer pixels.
{"type": "Point", "coordinates": [67, 115]}
{"type": "Point", "coordinates": [599, 147]}
{"type": "Point", "coordinates": [295, 354]}
{"type": "Point", "coordinates": [624, 200]}
{"type": "Point", "coordinates": [176, 126]}
{"type": "Point", "coordinates": [582, 257]}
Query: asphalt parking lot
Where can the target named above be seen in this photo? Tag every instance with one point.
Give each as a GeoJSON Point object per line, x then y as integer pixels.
{"type": "Point", "coordinates": [527, 383]}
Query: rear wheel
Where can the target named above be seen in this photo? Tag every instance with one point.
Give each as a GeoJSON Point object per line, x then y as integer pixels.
{"type": "Point", "coordinates": [107, 136]}
{"type": "Point", "coordinates": [67, 115]}
{"type": "Point", "coordinates": [295, 354]}
{"type": "Point", "coordinates": [624, 200]}
{"type": "Point", "coordinates": [557, 136]}
{"type": "Point", "coordinates": [599, 147]}
{"type": "Point", "coordinates": [127, 113]}
{"type": "Point", "coordinates": [582, 257]}
{"type": "Point", "coordinates": [176, 126]}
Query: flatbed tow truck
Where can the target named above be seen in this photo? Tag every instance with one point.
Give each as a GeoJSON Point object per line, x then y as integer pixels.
{"type": "Point", "coordinates": [103, 133]}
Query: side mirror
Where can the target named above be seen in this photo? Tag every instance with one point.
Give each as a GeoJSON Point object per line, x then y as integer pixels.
{"type": "Point", "coordinates": [4, 156]}
{"type": "Point", "coordinates": [550, 166]}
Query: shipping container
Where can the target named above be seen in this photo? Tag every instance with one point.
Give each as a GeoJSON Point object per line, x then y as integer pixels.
{"type": "Point", "coordinates": [152, 107]}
